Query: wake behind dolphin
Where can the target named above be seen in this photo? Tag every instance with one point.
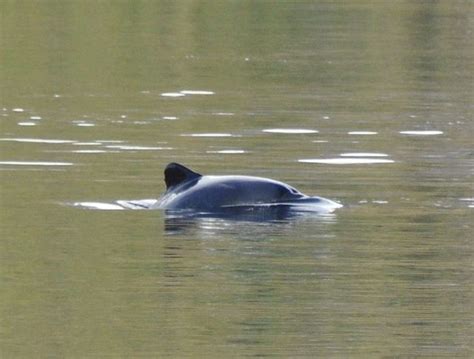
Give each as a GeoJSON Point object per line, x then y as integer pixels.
{"type": "Point", "coordinates": [189, 191]}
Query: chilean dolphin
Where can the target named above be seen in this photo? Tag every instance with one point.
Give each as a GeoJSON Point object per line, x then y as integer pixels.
{"type": "Point", "coordinates": [189, 190]}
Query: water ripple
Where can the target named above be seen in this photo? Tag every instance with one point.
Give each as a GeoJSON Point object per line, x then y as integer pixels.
{"type": "Point", "coordinates": [196, 92]}
{"type": "Point", "coordinates": [363, 154]}
{"type": "Point", "coordinates": [183, 93]}
{"type": "Point", "coordinates": [85, 124]}
{"type": "Point", "coordinates": [422, 133]}
{"type": "Point", "coordinates": [138, 148]}
{"type": "Point", "coordinates": [345, 161]}
{"type": "Point", "coordinates": [35, 163]}
{"type": "Point", "coordinates": [362, 133]}
{"type": "Point", "coordinates": [228, 151]}
{"type": "Point", "coordinates": [173, 94]}
{"type": "Point", "coordinates": [289, 130]}
{"type": "Point", "coordinates": [90, 151]}
{"type": "Point", "coordinates": [209, 135]}
{"type": "Point", "coordinates": [36, 140]}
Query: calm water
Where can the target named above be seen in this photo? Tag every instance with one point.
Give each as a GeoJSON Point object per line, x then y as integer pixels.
{"type": "Point", "coordinates": [366, 103]}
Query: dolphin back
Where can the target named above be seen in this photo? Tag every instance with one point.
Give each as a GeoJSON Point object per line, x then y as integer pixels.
{"type": "Point", "coordinates": [190, 191]}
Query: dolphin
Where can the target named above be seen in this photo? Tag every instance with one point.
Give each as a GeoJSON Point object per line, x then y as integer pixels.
{"type": "Point", "coordinates": [187, 190]}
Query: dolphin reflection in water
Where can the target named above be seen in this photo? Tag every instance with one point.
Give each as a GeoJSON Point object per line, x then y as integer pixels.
{"type": "Point", "coordinates": [242, 197]}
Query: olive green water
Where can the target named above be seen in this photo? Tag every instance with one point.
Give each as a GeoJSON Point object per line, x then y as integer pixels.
{"type": "Point", "coordinates": [92, 111]}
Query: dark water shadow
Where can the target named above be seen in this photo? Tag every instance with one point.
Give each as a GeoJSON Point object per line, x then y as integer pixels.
{"type": "Point", "coordinates": [241, 219]}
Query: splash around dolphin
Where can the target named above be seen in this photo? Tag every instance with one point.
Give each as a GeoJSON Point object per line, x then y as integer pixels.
{"type": "Point", "coordinates": [190, 191]}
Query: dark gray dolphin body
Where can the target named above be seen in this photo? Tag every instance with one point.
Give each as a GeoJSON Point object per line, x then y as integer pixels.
{"type": "Point", "coordinates": [188, 190]}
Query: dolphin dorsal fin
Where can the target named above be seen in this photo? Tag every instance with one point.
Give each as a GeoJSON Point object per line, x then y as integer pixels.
{"type": "Point", "coordinates": [176, 174]}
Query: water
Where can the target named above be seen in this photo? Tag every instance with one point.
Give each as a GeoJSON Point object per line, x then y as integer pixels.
{"type": "Point", "coordinates": [368, 104]}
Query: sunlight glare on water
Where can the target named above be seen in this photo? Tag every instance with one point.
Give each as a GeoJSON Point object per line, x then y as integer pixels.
{"type": "Point", "coordinates": [422, 133]}
{"type": "Point", "coordinates": [289, 130]}
{"type": "Point", "coordinates": [209, 135]}
{"type": "Point", "coordinates": [362, 133]}
{"type": "Point", "coordinates": [35, 163]}
{"type": "Point", "coordinates": [345, 161]}
{"type": "Point", "coordinates": [363, 154]}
